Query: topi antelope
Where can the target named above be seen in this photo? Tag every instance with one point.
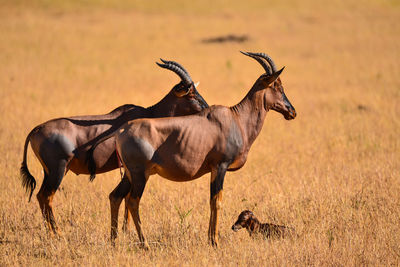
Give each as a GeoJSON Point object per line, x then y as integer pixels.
{"type": "Point", "coordinates": [62, 144]}
{"type": "Point", "coordinates": [215, 140]}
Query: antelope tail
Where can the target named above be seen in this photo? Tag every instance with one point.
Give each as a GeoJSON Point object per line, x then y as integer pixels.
{"type": "Point", "coordinates": [91, 163]}
{"type": "Point", "coordinates": [28, 181]}
{"type": "Point", "coordinates": [89, 154]}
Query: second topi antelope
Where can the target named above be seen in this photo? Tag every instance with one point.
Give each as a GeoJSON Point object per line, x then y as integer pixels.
{"type": "Point", "coordinates": [62, 144]}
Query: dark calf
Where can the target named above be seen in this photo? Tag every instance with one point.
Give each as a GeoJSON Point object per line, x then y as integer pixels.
{"type": "Point", "coordinates": [247, 220]}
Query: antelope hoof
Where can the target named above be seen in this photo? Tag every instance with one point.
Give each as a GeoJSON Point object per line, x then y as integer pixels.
{"type": "Point", "coordinates": [125, 228]}
{"type": "Point", "coordinates": [113, 236]}
{"type": "Point", "coordinates": [55, 234]}
{"type": "Point", "coordinates": [214, 243]}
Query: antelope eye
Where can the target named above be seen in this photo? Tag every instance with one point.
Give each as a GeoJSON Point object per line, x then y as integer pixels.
{"type": "Point", "coordinates": [183, 89]}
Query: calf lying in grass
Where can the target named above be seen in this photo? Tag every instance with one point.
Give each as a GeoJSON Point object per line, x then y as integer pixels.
{"type": "Point", "coordinates": [247, 220]}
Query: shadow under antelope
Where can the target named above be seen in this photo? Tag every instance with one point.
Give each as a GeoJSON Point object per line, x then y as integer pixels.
{"type": "Point", "coordinates": [62, 144]}
{"type": "Point", "coordinates": [215, 140]}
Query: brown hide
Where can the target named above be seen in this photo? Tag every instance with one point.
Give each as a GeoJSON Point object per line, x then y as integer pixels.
{"type": "Point", "coordinates": [215, 140]}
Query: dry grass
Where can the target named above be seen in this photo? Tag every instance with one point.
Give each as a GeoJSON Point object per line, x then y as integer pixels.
{"type": "Point", "coordinates": [333, 173]}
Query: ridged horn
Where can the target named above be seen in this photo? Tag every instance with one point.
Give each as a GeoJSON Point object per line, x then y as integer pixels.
{"type": "Point", "coordinates": [262, 62]}
{"type": "Point", "coordinates": [176, 64]}
{"type": "Point", "coordinates": [178, 69]}
{"type": "Point", "coordinates": [264, 56]}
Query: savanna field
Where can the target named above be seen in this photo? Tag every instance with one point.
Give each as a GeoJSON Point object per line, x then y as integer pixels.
{"type": "Point", "coordinates": [333, 173]}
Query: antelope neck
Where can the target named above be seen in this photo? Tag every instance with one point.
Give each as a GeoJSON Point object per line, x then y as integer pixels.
{"type": "Point", "coordinates": [162, 108]}
{"type": "Point", "coordinates": [250, 114]}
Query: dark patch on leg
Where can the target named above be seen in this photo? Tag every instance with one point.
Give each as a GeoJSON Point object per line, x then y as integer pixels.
{"type": "Point", "coordinates": [116, 197]}
{"type": "Point", "coordinates": [216, 187]}
{"type": "Point", "coordinates": [138, 184]}
{"type": "Point", "coordinates": [49, 187]}
{"type": "Point", "coordinates": [218, 183]}
{"type": "Point", "coordinates": [122, 188]}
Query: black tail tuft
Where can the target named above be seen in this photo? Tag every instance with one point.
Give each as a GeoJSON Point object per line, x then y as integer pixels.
{"type": "Point", "coordinates": [28, 181]}
{"type": "Point", "coordinates": [91, 164]}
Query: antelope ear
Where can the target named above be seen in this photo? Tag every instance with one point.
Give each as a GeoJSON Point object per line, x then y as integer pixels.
{"type": "Point", "coordinates": [196, 84]}
{"type": "Point", "coordinates": [271, 78]}
{"type": "Point", "coordinates": [252, 226]}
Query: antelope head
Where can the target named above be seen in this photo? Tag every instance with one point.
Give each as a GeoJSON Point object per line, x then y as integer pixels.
{"type": "Point", "coordinates": [274, 95]}
{"type": "Point", "coordinates": [186, 100]}
{"type": "Point", "coordinates": [245, 220]}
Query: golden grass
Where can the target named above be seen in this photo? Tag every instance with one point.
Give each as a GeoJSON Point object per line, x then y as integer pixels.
{"type": "Point", "coordinates": [332, 173]}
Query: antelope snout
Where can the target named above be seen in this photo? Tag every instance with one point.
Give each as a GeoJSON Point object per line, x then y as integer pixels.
{"type": "Point", "coordinates": [236, 228]}
{"type": "Point", "coordinates": [292, 113]}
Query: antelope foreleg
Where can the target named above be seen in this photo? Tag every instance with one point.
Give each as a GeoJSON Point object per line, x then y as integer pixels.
{"type": "Point", "coordinates": [216, 186]}
{"type": "Point", "coordinates": [215, 205]}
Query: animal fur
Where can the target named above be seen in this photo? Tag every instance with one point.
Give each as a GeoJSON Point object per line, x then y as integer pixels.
{"type": "Point", "coordinates": [253, 226]}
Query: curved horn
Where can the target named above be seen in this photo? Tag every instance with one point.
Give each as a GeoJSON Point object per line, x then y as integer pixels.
{"type": "Point", "coordinates": [267, 58]}
{"type": "Point", "coordinates": [262, 62]}
{"type": "Point", "coordinates": [179, 71]}
{"type": "Point", "coordinates": [176, 64]}
{"type": "Point", "coordinates": [264, 56]}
